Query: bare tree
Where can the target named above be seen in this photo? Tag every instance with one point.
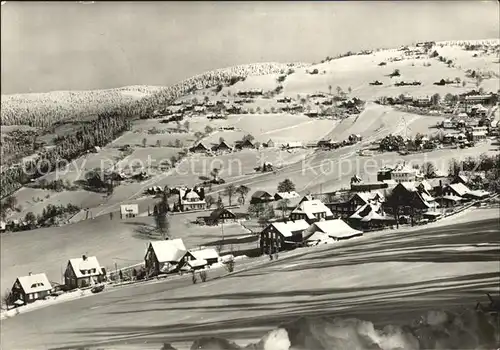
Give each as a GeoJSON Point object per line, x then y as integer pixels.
{"type": "Point", "coordinates": [230, 192]}
{"type": "Point", "coordinates": [210, 200]}
{"type": "Point", "coordinates": [242, 191]}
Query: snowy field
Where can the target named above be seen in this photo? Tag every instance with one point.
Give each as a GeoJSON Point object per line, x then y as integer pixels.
{"type": "Point", "coordinates": [431, 268]}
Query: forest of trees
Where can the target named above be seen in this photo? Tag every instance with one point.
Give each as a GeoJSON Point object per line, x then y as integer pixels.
{"type": "Point", "coordinates": [99, 132]}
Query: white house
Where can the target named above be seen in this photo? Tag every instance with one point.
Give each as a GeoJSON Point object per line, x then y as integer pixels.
{"type": "Point", "coordinates": [311, 211]}
{"type": "Point", "coordinates": [404, 174]}
{"type": "Point", "coordinates": [165, 256]}
{"type": "Point", "coordinates": [29, 288]}
{"type": "Point", "coordinates": [129, 210]}
{"type": "Point", "coordinates": [83, 272]}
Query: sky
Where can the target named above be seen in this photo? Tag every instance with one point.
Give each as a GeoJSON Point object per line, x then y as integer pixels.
{"type": "Point", "coordinates": [73, 46]}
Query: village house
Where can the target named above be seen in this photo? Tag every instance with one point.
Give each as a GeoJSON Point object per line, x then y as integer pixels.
{"type": "Point", "coordinates": [478, 111]}
{"type": "Point", "coordinates": [209, 255]}
{"type": "Point", "coordinates": [166, 256]}
{"type": "Point", "coordinates": [29, 288]}
{"type": "Point", "coordinates": [270, 143]}
{"type": "Point", "coordinates": [357, 200]}
{"type": "Point", "coordinates": [261, 197]}
{"type": "Point", "coordinates": [246, 144]}
{"type": "Point", "coordinates": [192, 199]}
{"type": "Point", "coordinates": [329, 231]}
{"type": "Point", "coordinates": [403, 173]}
{"type": "Point", "coordinates": [286, 195]}
{"type": "Point", "coordinates": [328, 144]}
{"type": "Point", "coordinates": [222, 147]}
{"type": "Point", "coordinates": [369, 217]}
{"type": "Point", "coordinates": [480, 99]}
{"type": "Point", "coordinates": [448, 124]}
{"type": "Point", "coordinates": [456, 189]}
{"type": "Point", "coordinates": [311, 211]}
{"type": "Point", "coordinates": [83, 272]}
{"type": "Point", "coordinates": [422, 101]}
{"type": "Point", "coordinates": [279, 236]}
{"type": "Point", "coordinates": [477, 136]}
{"type": "Point", "coordinates": [220, 216]}
{"type": "Point", "coordinates": [409, 201]}
{"type": "Point", "coordinates": [437, 185]}
{"type": "Point", "coordinates": [129, 211]}
{"type": "Point", "coordinates": [294, 144]}
{"type": "Point", "coordinates": [384, 173]}
{"type": "Point", "coordinates": [199, 148]}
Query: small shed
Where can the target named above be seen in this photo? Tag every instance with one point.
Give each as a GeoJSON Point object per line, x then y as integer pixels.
{"type": "Point", "coordinates": [209, 255]}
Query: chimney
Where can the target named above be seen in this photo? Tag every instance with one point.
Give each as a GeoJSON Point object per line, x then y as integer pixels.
{"type": "Point", "coordinates": [84, 257]}
{"type": "Point", "coordinates": [30, 273]}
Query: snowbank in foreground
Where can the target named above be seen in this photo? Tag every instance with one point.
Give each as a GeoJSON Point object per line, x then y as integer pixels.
{"type": "Point", "coordinates": [47, 302]}
{"type": "Point", "coordinates": [434, 330]}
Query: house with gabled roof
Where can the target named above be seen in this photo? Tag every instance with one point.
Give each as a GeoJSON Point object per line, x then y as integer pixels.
{"type": "Point", "coordinates": [311, 211]}
{"type": "Point", "coordinates": [83, 272]}
{"type": "Point", "coordinates": [220, 216]}
{"type": "Point", "coordinates": [192, 199]}
{"type": "Point", "coordinates": [223, 146]}
{"type": "Point", "coordinates": [199, 148]}
{"type": "Point", "coordinates": [456, 189]}
{"type": "Point", "coordinates": [27, 289]}
{"type": "Point", "coordinates": [324, 231]}
{"type": "Point", "coordinates": [278, 236]}
{"type": "Point", "coordinates": [166, 256]}
{"type": "Point", "coordinates": [269, 143]}
{"type": "Point", "coordinates": [371, 216]}
{"type": "Point", "coordinates": [245, 144]}
{"type": "Point", "coordinates": [261, 197]}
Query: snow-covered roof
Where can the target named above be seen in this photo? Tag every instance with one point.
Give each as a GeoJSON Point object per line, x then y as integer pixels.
{"type": "Point", "coordinates": [294, 144]}
{"type": "Point", "coordinates": [287, 195]}
{"type": "Point", "coordinates": [197, 263]}
{"type": "Point", "coordinates": [35, 283]}
{"type": "Point", "coordinates": [192, 195]}
{"type": "Point", "coordinates": [427, 197]}
{"type": "Point", "coordinates": [204, 254]}
{"type": "Point", "coordinates": [453, 198]}
{"type": "Point", "coordinates": [311, 207]}
{"type": "Point", "coordinates": [129, 209]}
{"type": "Point", "coordinates": [172, 250]}
{"type": "Point", "coordinates": [370, 212]}
{"type": "Point", "coordinates": [86, 267]}
{"type": "Point", "coordinates": [478, 193]}
{"type": "Point", "coordinates": [426, 185]}
{"type": "Point", "coordinates": [320, 237]}
{"type": "Point", "coordinates": [370, 196]}
{"type": "Point", "coordinates": [336, 228]}
{"type": "Point", "coordinates": [459, 188]}
{"type": "Point", "coordinates": [286, 229]}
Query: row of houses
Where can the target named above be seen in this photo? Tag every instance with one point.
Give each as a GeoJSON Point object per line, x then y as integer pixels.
{"type": "Point", "coordinates": [161, 257]}
{"type": "Point", "coordinates": [80, 273]}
